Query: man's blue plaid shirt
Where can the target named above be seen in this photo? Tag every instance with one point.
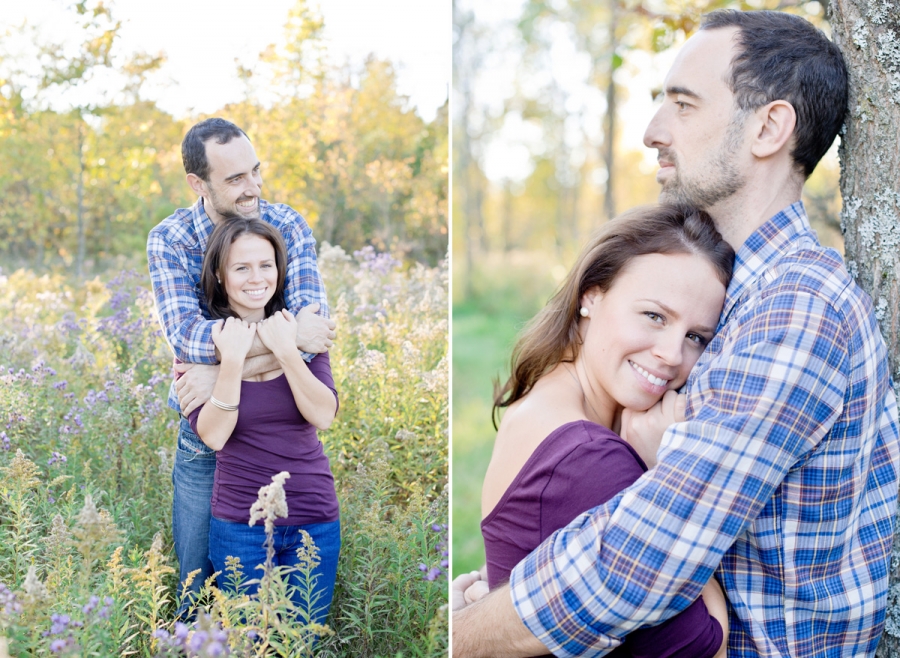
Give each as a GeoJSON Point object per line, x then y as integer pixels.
{"type": "Point", "coordinates": [785, 471]}
{"type": "Point", "coordinates": [175, 249]}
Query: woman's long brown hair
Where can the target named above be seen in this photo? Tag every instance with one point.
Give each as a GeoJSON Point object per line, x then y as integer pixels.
{"type": "Point", "coordinates": [216, 257]}
{"type": "Point", "coordinates": [552, 335]}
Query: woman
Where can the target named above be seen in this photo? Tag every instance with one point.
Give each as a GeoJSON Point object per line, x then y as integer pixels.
{"type": "Point", "coordinates": [267, 424]}
{"type": "Point", "coordinates": [627, 325]}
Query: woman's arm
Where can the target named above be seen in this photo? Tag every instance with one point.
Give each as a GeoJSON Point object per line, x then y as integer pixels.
{"type": "Point", "coordinates": [233, 339]}
{"type": "Point", "coordinates": [313, 398]}
{"type": "Point", "coordinates": [714, 598]}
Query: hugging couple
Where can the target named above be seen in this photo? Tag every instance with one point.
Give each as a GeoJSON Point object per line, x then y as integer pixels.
{"type": "Point", "coordinates": [753, 514]}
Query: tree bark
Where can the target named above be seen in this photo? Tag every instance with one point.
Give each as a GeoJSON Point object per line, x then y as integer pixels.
{"type": "Point", "coordinates": [609, 139]}
{"type": "Point", "coordinates": [868, 33]}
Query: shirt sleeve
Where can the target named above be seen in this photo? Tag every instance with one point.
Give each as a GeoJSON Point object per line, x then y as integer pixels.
{"type": "Point", "coordinates": [320, 367]}
{"type": "Point", "coordinates": [188, 333]}
{"type": "Point", "coordinates": [572, 489]}
{"type": "Point", "coordinates": [762, 405]}
{"type": "Point", "coordinates": [303, 284]}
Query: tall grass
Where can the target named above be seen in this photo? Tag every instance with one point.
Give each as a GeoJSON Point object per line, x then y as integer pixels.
{"type": "Point", "coordinates": [86, 447]}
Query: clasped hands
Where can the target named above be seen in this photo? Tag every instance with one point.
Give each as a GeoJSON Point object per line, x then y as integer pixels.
{"type": "Point", "coordinates": [234, 337]}
{"type": "Point", "coordinates": [643, 430]}
{"type": "Point", "coordinates": [312, 333]}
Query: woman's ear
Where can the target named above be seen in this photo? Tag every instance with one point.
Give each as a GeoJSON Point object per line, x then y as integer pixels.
{"type": "Point", "coordinates": [589, 301]}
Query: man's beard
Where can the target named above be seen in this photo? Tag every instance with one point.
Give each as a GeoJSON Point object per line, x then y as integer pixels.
{"type": "Point", "coordinates": [230, 213]}
{"type": "Point", "coordinates": [722, 181]}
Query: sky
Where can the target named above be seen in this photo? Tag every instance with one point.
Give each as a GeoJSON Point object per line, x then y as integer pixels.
{"type": "Point", "coordinates": [202, 39]}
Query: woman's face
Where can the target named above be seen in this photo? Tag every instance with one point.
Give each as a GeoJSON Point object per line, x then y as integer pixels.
{"type": "Point", "coordinates": [251, 276]}
{"type": "Point", "coordinates": [647, 331]}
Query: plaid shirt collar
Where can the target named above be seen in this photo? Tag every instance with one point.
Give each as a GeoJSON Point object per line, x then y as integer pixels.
{"type": "Point", "coordinates": [765, 246]}
{"type": "Point", "coordinates": [202, 224]}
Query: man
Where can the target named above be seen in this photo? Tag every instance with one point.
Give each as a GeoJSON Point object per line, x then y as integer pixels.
{"type": "Point", "coordinates": [786, 468]}
{"type": "Point", "coordinates": [222, 168]}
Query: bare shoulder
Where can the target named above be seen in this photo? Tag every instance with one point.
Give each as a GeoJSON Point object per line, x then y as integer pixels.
{"type": "Point", "coordinates": [525, 425]}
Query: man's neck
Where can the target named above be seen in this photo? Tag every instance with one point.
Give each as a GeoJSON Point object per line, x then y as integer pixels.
{"type": "Point", "coordinates": [740, 215]}
{"type": "Point", "coordinates": [210, 211]}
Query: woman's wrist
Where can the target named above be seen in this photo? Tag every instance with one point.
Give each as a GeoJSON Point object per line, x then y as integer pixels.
{"type": "Point", "coordinates": [285, 353]}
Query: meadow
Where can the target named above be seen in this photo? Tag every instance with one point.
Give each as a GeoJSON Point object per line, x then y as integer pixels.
{"type": "Point", "coordinates": [86, 448]}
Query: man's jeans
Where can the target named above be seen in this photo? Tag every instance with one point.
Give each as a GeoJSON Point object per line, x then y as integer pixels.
{"type": "Point", "coordinates": [227, 538]}
{"type": "Point", "coordinates": [192, 478]}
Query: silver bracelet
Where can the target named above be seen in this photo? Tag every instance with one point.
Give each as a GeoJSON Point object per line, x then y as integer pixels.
{"type": "Point", "coordinates": [221, 405]}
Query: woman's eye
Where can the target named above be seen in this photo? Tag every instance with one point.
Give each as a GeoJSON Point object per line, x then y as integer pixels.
{"type": "Point", "coordinates": [656, 317]}
{"type": "Point", "coordinates": [697, 339]}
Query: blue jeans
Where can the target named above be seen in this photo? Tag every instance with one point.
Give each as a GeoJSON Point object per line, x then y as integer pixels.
{"type": "Point", "coordinates": [192, 478]}
{"type": "Point", "coordinates": [227, 538]}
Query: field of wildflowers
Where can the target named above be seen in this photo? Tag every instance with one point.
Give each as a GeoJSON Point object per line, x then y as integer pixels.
{"type": "Point", "coordinates": [86, 447]}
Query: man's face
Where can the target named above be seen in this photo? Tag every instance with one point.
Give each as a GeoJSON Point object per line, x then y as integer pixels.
{"type": "Point", "coordinates": [698, 132]}
{"type": "Point", "coordinates": [235, 181]}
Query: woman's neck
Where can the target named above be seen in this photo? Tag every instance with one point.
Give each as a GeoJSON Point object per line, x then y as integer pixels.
{"type": "Point", "coordinates": [599, 407]}
{"type": "Point", "coordinates": [255, 316]}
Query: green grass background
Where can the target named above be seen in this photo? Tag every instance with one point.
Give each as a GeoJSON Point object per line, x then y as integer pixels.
{"type": "Point", "coordinates": [505, 292]}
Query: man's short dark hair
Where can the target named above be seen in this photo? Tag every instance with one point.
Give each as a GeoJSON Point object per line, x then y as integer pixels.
{"type": "Point", "coordinates": [784, 57]}
{"type": "Point", "coordinates": [193, 146]}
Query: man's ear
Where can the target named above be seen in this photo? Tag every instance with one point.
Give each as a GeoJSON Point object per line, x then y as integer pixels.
{"type": "Point", "coordinates": [197, 184]}
{"type": "Point", "coordinates": [776, 123]}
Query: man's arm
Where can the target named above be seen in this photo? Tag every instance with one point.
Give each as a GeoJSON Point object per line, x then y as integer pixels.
{"type": "Point", "coordinates": [189, 335]}
{"type": "Point", "coordinates": [303, 285]}
{"type": "Point", "coordinates": [646, 554]}
{"type": "Point", "coordinates": [197, 381]}
{"type": "Point", "coordinates": [315, 334]}
{"type": "Point", "coordinates": [490, 627]}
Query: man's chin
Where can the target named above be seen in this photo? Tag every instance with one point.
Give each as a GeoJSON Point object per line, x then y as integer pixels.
{"type": "Point", "coordinates": [241, 215]}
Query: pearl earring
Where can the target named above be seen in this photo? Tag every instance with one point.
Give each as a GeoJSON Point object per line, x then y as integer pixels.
{"type": "Point", "coordinates": [584, 311]}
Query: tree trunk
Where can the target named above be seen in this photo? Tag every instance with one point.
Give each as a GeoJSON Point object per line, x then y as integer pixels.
{"type": "Point", "coordinates": [609, 139]}
{"type": "Point", "coordinates": [867, 33]}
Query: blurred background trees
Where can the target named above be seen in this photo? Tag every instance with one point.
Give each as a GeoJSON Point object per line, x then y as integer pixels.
{"type": "Point", "coordinates": [84, 181]}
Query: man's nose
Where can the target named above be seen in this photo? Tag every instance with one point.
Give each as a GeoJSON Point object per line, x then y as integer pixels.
{"type": "Point", "coordinates": [655, 135]}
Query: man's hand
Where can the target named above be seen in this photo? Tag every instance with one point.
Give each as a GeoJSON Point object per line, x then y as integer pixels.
{"type": "Point", "coordinates": [644, 429]}
{"type": "Point", "coordinates": [314, 333]}
{"type": "Point", "coordinates": [195, 385]}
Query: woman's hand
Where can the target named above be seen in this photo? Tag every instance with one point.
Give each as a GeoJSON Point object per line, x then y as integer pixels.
{"type": "Point", "coordinates": [644, 429]}
{"type": "Point", "coordinates": [233, 338]}
{"type": "Point", "coordinates": [279, 333]}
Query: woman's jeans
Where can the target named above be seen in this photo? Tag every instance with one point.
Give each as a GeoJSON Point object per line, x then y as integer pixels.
{"type": "Point", "coordinates": [227, 538]}
{"type": "Point", "coordinates": [192, 479]}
